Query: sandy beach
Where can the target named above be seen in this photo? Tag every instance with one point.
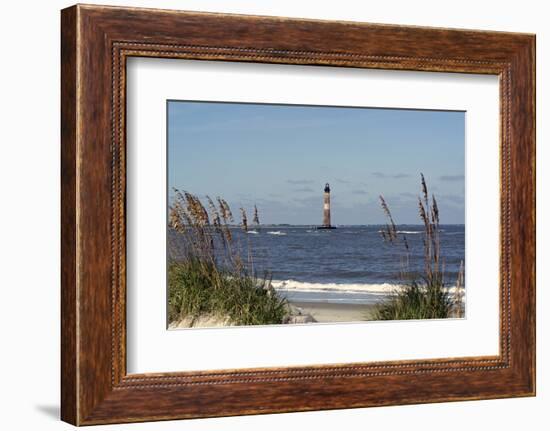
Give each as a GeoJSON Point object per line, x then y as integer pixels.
{"type": "Point", "coordinates": [324, 312]}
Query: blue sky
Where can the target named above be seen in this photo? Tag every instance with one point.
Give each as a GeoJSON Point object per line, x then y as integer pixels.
{"type": "Point", "coordinates": [280, 156]}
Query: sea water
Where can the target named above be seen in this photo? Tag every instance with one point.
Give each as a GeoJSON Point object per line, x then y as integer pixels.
{"type": "Point", "coordinates": [346, 265]}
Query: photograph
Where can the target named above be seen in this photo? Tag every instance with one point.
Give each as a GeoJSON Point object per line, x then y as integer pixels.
{"type": "Point", "coordinates": [306, 214]}
{"type": "Point", "coordinates": [284, 214]}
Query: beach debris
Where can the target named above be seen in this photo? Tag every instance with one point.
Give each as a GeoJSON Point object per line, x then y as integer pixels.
{"type": "Point", "coordinates": [299, 319]}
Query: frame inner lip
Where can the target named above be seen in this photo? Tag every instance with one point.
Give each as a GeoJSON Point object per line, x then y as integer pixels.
{"type": "Point", "coordinates": [125, 49]}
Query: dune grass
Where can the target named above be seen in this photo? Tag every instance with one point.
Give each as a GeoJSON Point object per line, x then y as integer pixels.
{"type": "Point", "coordinates": [416, 301]}
{"type": "Point", "coordinates": [424, 296]}
{"type": "Point", "coordinates": [207, 276]}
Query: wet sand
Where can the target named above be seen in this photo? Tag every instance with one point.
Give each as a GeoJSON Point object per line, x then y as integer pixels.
{"type": "Point", "coordinates": [330, 312]}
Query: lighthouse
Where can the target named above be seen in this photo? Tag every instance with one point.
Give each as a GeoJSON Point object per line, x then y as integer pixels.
{"type": "Point", "coordinates": [326, 209]}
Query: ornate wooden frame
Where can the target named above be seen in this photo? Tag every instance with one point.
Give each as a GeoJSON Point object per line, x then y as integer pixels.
{"type": "Point", "coordinates": [95, 42]}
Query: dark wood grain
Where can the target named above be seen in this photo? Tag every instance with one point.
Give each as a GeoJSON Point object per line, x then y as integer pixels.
{"type": "Point", "coordinates": [96, 41]}
{"type": "Point", "coordinates": [69, 397]}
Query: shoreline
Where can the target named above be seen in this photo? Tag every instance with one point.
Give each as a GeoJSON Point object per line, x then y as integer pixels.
{"type": "Point", "coordinates": [321, 312]}
{"type": "Point", "coordinates": [328, 312]}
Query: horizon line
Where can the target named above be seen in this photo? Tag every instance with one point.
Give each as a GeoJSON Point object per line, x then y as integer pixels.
{"type": "Point", "coordinates": [343, 224]}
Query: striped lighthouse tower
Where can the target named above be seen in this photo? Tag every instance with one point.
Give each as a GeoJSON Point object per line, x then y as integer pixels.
{"type": "Point", "coordinates": [326, 209]}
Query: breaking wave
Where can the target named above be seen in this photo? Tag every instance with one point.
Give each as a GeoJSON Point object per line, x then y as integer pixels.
{"type": "Point", "coordinates": [371, 288]}
{"type": "Point", "coordinates": [381, 288]}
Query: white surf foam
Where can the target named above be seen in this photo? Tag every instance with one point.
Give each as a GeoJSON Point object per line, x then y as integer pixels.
{"type": "Point", "coordinates": [414, 232]}
{"type": "Point", "coordinates": [407, 232]}
{"type": "Point", "coordinates": [374, 288]}
{"type": "Point", "coordinates": [382, 288]}
{"type": "Point", "coordinates": [276, 232]}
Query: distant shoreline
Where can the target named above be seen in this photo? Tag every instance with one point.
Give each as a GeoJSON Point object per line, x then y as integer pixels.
{"type": "Point", "coordinates": [309, 225]}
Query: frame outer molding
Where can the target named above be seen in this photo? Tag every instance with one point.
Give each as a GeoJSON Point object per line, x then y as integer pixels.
{"type": "Point", "coordinates": [95, 41]}
{"type": "Point", "coordinates": [69, 329]}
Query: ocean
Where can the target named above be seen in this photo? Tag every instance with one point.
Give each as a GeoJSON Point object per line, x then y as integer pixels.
{"type": "Point", "coordinates": [347, 265]}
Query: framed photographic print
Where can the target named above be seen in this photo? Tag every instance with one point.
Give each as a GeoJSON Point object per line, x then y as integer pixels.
{"type": "Point", "coordinates": [272, 207]}
{"type": "Point", "coordinates": [338, 269]}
